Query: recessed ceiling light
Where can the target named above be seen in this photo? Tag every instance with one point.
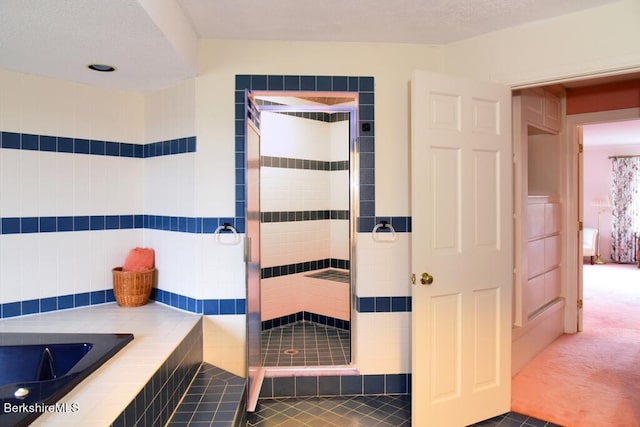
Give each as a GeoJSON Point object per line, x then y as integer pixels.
{"type": "Point", "coordinates": [103, 68]}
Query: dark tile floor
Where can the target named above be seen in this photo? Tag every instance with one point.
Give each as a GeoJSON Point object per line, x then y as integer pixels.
{"type": "Point", "coordinates": [360, 411]}
{"type": "Point", "coordinates": [215, 398]}
{"type": "Point", "coordinates": [392, 411]}
{"type": "Point", "coordinates": [305, 343]}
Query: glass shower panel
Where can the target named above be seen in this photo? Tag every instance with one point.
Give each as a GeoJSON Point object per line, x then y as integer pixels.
{"type": "Point", "coordinates": [255, 372]}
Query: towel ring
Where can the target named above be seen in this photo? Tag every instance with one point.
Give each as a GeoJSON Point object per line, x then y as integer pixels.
{"type": "Point", "coordinates": [226, 227]}
{"type": "Point", "coordinates": [383, 225]}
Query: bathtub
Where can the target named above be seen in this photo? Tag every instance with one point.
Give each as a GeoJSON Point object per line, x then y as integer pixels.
{"type": "Point", "coordinates": [37, 369]}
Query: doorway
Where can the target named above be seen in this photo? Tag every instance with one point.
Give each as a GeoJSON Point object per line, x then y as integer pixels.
{"type": "Point", "coordinates": [307, 235]}
{"type": "Point", "coordinates": [583, 175]}
{"type": "Point", "coordinates": [577, 211]}
{"type": "Point", "coordinates": [247, 134]}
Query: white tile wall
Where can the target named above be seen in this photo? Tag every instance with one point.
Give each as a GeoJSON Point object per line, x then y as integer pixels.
{"type": "Point", "coordinates": [42, 106]}
{"type": "Point", "coordinates": [34, 183]}
{"type": "Point", "coordinates": [303, 190]}
{"type": "Point", "coordinates": [339, 246]}
{"type": "Point", "coordinates": [169, 183]}
{"type": "Point", "coordinates": [383, 342]}
{"type": "Point", "coordinates": [293, 242]}
{"type": "Point", "coordinates": [288, 136]}
{"type": "Point", "coordinates": [281, 296]}
{"type": "Point", "coordinates": [383, 268]}
{"type": "Point", "coordinates": [220, 267]}
{"type": "Point", "coordinates": [41, 265]}
{"type": "Point", "coordinates": [224, 342]}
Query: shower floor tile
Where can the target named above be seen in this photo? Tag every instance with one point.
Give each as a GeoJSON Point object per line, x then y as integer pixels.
{"type": "Point", "coordinates": [305, 343]}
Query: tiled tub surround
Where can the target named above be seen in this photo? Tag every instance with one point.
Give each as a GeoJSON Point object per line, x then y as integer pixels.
{"type": "Point", "coordinates": [63, 144]}
{"type": "Point", "coordinates": [146, 376]}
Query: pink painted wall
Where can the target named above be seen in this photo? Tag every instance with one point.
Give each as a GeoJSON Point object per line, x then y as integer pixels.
{"type": "Point", "coordinates": [604, 97]}
{"type": "Point", "coordinates": [597, 181]}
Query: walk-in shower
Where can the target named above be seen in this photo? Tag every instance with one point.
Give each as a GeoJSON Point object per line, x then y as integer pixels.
{"type": "Point", "coordinates": [305, 231]}
{"type": "Point", "coordinates": [302, 198]}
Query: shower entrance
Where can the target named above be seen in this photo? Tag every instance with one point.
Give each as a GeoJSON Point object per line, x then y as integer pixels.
{"type": "Point", "coordinates": [301, 210]}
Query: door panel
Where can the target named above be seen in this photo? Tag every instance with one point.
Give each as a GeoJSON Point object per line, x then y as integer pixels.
{"type": "Point", "coordinates": [446, 204]}
{"type": "Point", "coordinates": [462, 236]}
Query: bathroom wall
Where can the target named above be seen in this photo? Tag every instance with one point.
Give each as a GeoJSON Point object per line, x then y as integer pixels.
{"type": "Point", "coordinates": [381, 318]}
{"type": "Point", "coordinates": [305, 170]}
{"type": "Point", "coordinates": [573, 46]}
{"type": "Point", "coordinates": [71, 191]}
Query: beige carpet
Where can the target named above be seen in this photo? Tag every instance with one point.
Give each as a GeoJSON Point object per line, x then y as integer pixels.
{"type": "Point", "coordinates": [591, 378]}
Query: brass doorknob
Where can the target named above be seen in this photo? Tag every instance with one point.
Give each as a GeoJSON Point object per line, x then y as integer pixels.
{"type": "Point", "coordinates": [426, 279]}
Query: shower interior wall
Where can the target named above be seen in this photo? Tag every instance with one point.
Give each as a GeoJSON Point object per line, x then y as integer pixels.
{"type": "Point", "coordinates": [301, 190]}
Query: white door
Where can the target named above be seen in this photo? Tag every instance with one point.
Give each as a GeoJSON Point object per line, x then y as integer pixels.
{"type": "Point", "coordinates": [462, 240]}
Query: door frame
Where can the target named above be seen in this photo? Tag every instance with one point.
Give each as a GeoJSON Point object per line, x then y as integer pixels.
{"type": "Point", "coordinates": [353, 186]}
{"type": "Point", "coordinates": [574, 214]}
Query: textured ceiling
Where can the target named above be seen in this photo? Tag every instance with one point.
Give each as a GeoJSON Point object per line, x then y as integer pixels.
{"type": "Point", "coordinates": [396, 21]}
{"type": "Point", "coordinates": [153, 43]}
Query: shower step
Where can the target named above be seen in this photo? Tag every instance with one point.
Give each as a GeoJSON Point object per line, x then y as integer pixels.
{"type": "Point", "coordinates": [215, 396]}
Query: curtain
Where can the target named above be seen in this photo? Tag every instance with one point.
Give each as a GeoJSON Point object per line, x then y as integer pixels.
{"type": "Point", "coordinates": [625, 198]}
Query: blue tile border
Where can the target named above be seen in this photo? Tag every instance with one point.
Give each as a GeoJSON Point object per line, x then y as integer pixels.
{"type": "Point", "coordinates": [229, 306]}
{"type": "Point", "coordinates": [181, 224]}
{"type": "Point", "coordinates": [61, 144]}
{"type": "Point", "coordinates": [52, 224]}
{"type": "Point", "coordinates": [302, 267]}
{"type": "Point", "coordinates": [207, 307]}
{"type": "Point", "coordinates": [61, 302]}
{"type": "Point", "coordinates": [306, 315]}
{"type": "Point", "coordinates": [391, 304]}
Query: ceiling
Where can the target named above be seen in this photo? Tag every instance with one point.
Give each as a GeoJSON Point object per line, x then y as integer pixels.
{"type": "Point", "coordinates": [153, 44]}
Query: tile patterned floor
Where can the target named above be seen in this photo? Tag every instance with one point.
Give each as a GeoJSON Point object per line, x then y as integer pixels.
{"type": "Point", "coordinates": [305, 343]}
{"type": "Point", "coordinates": [215, 398]}
{"type": "Point", "coordinates": [513, 419]}
{"type": "Point", "coordinates": [392, 411]}
{"type": "Point", "coordinates": [360, 411]}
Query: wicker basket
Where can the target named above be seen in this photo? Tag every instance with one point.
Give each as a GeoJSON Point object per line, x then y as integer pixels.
{"type": "Point", "coordinates": [133, 288]}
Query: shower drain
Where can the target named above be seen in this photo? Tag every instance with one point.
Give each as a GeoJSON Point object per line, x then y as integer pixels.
{"type": "Point", "coordinates": [291, 352]}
